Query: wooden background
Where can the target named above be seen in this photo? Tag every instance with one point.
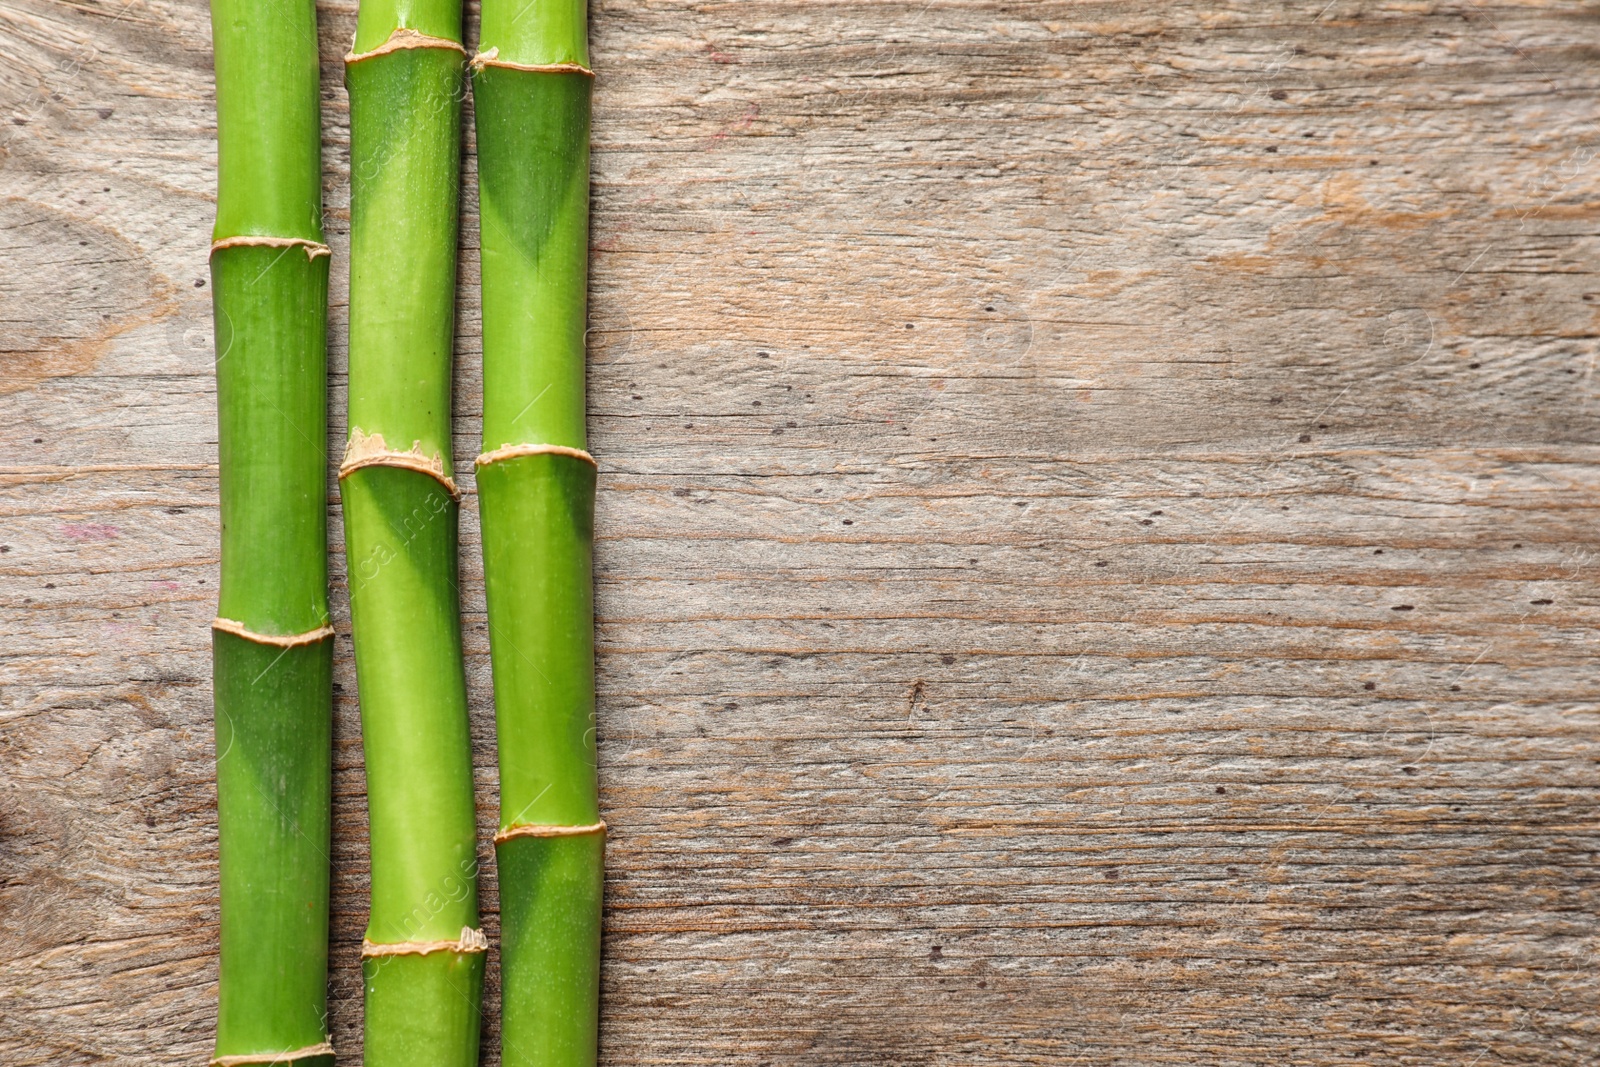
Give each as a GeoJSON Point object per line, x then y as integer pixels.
{"type": "Point", "coordinates": [1098, 532]}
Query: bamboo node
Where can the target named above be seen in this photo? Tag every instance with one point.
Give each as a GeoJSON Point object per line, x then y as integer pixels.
{"type": "Point", "coordinates": [256, 240]}
{"type": "Point", "coordinates": [324, 1049]}
{"type": "Point", "coordinates": [526, 830]}
{"type": "Point", "coordinates": [470, 941]}
{"type": "Point", "coordinates": [402, 39]}
{"type": "Point", "coordinates": [513, 451]}
{"type": "Point", "coordinates": [371, 450]}
{"type": "Point", "coordinates": [491, 58]}
{"type": "Point", "coordinates": [239, 629]}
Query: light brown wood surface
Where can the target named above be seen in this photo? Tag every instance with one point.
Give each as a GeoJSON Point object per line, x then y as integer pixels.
{"type": "Point", "coordinates": [1097, 527]}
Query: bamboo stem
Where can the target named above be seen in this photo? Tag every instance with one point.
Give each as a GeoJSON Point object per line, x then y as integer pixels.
{"type": "Point", "coordinates": [536, 485]}
{"type": "Point", "coordinates": [271, 644]}
{"type": "Point", "coordinates": [423, 956]}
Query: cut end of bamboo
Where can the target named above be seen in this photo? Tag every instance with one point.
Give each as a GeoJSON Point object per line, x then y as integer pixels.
{"type": "Point", "coordinates": [513, 451]}
{"type": "Point", "coordinates": [512, 832]}
{"type": "Point", "coordinates": [491, 58]}
{"type": "Point", "coordinates": [238, 629]}
{"type": "Point", "coordinates": [252, 240]}
{"type": "Point", "coordinates": [402, 39]}
{"type": "Point", "coordinates": [469, 942]}
{"type": "Point", "coordinates": [323, 1049]}
{"type": "Point", "coordinates": [371, 450]}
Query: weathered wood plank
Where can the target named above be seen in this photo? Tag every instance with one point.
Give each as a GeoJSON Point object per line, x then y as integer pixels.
{"type": "Point", "coordinates": [1097, 532]}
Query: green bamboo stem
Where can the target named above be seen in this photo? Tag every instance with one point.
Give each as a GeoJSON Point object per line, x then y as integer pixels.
{"type": "Point", "coordinates": [536, 486]}
{"type": "Point", "coordinates": [271, 645]}
{"type": "Point", "coordinates": [423, 955]}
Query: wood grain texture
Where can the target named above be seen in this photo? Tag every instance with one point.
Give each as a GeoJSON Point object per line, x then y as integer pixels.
{"type": "Point", "coordinates": [1097, 532]}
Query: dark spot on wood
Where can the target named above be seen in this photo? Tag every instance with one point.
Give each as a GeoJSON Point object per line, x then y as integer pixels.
{"type": "Point", "coordinates": [849, 522]}
{"type": "Point", "coordinates": [937, 952]}
{"type": "Point", "coordinates": [1541, 602]}
{"type": "Point", "coordinates": [1403, 607]}
{"type": "Point", "coordinates": [1409, 770]}
{"type": "Point", "coordinates": [782, 842]}
{"type": "Point", "coordinates": [1222, 790]}
{"type": "Point", "coordinates": [1305, 437]}
{"type": "Point", "coordinates": [947, 659]}
{"type": "Point", "coordinates": [1369, 686]}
